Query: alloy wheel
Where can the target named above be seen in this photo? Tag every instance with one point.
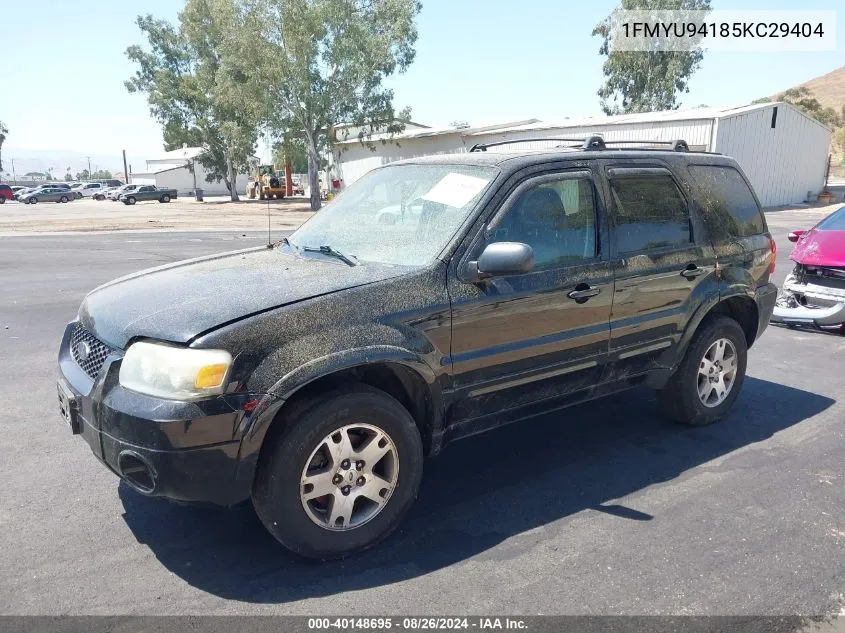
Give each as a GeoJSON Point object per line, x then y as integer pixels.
{"type": "Point", "coordinates": [348, 479]}
{"type": "Point", "coordinates": [717, 373]}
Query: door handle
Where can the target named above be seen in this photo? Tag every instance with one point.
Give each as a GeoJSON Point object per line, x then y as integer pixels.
{"type": "Point", "coordinates": [692, 273]}
{"type": "Point", "coordinates": [584, 293]}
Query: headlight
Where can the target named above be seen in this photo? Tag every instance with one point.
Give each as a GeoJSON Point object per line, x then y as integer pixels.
{"type": "Point", "coordinates": [177, 373]}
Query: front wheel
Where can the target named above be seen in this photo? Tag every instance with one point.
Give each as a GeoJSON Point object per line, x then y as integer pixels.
{"type": "Point", "coordinates": [63, 199]}
{"type": "Point", "coordinates": [33, 200]}
{"type": "Point", "coordinates": [130, 200]}
{"type": "Point", "coordinates": [165, 198]}
{"type": "Point", "coordinates": [342, 473]}
{"type": "Point", "coordinates": [708, 380]}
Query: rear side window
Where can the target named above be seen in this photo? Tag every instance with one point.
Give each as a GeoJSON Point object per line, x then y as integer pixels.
{"type": "Point", "coordinates": [650, 213]}
{"type": "Point", "coordinates": [724, 194]}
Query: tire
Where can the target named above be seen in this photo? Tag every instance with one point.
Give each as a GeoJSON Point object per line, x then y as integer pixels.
{"type": "Point", "coordinates": [130, 200]}
{"type": "Point", "coordinates": [33, 200]}
{"type": "Point", "coordinates": [63, 199]}
{"type": "Point", "coordinates": [165, 198]}
{"type": "Point", "coordinates": [680, 399]}
{"type": "Point", "coordinates": [2, 200]}
{"type": "Point", "coordinates": [305, 431]}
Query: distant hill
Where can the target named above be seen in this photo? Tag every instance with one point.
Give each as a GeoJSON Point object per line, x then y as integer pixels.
{"type": "Point", "coordinates": [829, 89]}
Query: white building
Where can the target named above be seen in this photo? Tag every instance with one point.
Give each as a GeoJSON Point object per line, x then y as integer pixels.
{"type": "Point", "coordinates": [783, 151]}
{"type": "Point", "coordinates": [172, 170]}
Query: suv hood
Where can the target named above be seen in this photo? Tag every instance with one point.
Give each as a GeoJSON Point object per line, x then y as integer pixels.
{"type": "Point", "coordinates": [177, 302]}
{"type": "Point", "coordinates": [820, 248]}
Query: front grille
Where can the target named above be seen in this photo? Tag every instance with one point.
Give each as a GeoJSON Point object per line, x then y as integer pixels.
{"type": "Point", "coordinates": [88, 351]}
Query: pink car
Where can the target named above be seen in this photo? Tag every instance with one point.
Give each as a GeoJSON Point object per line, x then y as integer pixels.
{"type": "Point", "coordinates": [814, 293]}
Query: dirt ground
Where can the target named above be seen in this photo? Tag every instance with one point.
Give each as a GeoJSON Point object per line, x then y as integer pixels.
{"type": "Point", "coordinates": [216, 213]}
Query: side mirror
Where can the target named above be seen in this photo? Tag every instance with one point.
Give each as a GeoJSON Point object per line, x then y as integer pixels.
{"type": "Point", "coordinates": [794, 236]}
{"type": "Point", "coordinates": [502, 258]}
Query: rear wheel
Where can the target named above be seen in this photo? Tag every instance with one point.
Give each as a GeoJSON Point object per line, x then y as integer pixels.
{"type": "Point", "coordinates": [165, 198]}
{"type": "Point", "coordinates": [130, 200]}
{"type": "Point", "coordinates": [2, 200]}
{"type": "Point", "coordinates": [709, 378]}
{"type": "Point", "coordinates": [63, 199]}
{"type": "Point", "coordinates": [342, 473]}
{"type": "Point", "coordinates": [33, 200]}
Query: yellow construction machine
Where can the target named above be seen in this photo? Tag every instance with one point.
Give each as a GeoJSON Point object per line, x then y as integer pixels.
{"type": "Point", "coordinates": [266, 183]}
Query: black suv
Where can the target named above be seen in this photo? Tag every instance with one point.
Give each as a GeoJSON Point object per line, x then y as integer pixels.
{"type": "Point", "coordinates": [433, 299]}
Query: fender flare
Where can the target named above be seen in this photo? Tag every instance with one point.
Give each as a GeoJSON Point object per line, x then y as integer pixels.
{"type": "Point", "coordinates": [674, 355]}
{"type": "Point", "coordinates": [254, 428]}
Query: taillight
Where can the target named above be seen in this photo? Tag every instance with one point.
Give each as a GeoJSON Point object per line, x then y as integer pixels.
{"type": "Point", "coordinates": [773, 246]}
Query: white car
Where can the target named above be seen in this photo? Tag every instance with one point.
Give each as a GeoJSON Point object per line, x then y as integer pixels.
{"type": "Point", "coordinates": [88, 189]}
{"type": "Point", "coordinates": [102, 194]}
{"type": "Point", "coordinates": [115, 194]}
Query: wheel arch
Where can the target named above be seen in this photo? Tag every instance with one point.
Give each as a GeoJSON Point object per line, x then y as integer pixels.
{"type": "Point", "coordinates": [738, 306]}
{"type": "Point", "coordinates": [399, 373]}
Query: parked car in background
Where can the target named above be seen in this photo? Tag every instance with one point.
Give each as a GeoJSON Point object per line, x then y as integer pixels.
{"type": "Point", "coordinates": [103, 193]}
{"type": "Point", "coordinates": [813, 294]}
{"type": "Point", "coordinates": [110, 182]}
{"type": "Point", "coordinates": [47, 194]}
{"type": "Point", "coordinates": [88, 189]}
{"type": "Point", "coordinates": [147, 192]}
{"type": "Point", "coordinates": [6, 193]}
{"type": "Point", "coordinates": [114, 194]}
{"type": "Point", "coordinates": [314, 375]}
{"type": "Point", "coordinates": [49, 185]}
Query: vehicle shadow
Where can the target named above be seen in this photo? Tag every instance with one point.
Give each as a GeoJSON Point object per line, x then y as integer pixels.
{"type": "Point", "coordinates": [474, 496]}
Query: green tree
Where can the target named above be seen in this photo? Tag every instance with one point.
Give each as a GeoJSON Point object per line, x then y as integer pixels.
{"type": "Point", "coordinates": [319, 63]}
{"type": "Point", "coordinates": [802, 98]}
{"type": "Point", "coordinates": [295, 151]}
{"type": "Point", "coordinates": [101, 174]}
{"type": "Point", "coordinates": [638, 81]}
{"type": "Point", "coordinates": [3, 132]}
{"type": "Point", "coordinates": [68, 175]}
{"type": "Point", "coordinates": [194, 78]}
{"type": "Point", "coordinates": [83, 175]}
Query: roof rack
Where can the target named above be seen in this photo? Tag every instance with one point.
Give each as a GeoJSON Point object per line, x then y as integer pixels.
{"type": "Point", "coordinates": [593, 142]}
{"type": "Point", "coordinates": [482, 147]}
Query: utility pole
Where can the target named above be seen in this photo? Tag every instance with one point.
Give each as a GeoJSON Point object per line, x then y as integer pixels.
{"type": "Point", "coordinates": [14, 176]}
{"type": "Point", "coordinates": [89, 167]}
{"type": "Point", "coordinates": [125, 169]}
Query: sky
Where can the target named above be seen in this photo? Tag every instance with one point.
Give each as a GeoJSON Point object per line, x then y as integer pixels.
{"type": "Point", "coordinates": [480, 61]}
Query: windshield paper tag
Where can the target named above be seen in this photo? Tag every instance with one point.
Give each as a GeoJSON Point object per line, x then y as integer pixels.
{"type": "Point", "coordinates": [455, 190]}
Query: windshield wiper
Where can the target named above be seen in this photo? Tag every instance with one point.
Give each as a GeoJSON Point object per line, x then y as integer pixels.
{"type": "Point", "coordinates": [328, 250]}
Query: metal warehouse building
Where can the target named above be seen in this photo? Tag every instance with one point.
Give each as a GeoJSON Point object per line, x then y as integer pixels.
{"type": "Point", "coordinates": [783, 151]}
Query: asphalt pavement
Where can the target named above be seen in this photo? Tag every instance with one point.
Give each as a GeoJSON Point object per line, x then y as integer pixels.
{"type": "Point", "coordinates": [604, 508]}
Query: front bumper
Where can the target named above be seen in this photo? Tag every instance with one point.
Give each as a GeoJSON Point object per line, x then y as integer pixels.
{"type": "Point", "coordinates": [186, 451]}
{"type": "Point", "coordinates": [807, 303]}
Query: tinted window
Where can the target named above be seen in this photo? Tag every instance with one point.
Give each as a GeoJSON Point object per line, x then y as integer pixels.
{"type": "Point", "coordinates": [650, 213]}
{"type": "Point", "coordinates": [723, 194]}
{"type": "Point", "coordinates": [557, 219]}
{"type": "Point", "coordinates": [833, 222]}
